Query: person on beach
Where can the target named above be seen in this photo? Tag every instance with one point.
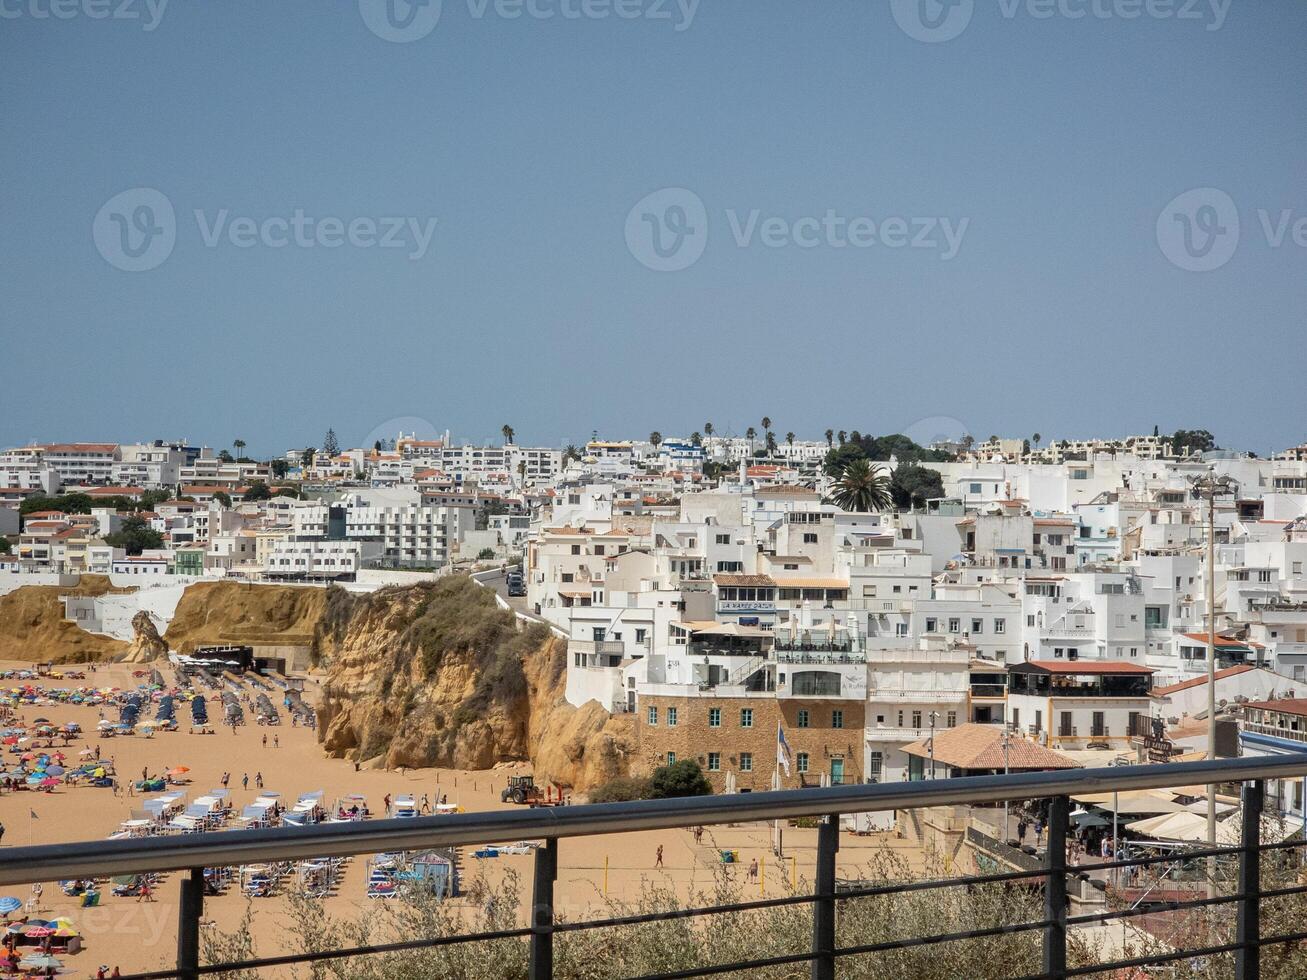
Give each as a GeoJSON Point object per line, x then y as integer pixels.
{"type": "Point", "coordinates": [245, 781]}
{"type": "Point", "coordinates": [658, 857]}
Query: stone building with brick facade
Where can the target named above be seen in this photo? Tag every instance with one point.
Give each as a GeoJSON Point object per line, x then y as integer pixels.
{"type": "Point", "coordinates": [738, 735]}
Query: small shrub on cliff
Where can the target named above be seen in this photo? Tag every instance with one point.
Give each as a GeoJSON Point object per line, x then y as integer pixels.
{"type": "Point", "coordinates": [683, 778]}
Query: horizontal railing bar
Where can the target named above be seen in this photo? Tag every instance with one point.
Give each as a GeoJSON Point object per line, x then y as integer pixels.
{"type": "Point", "coordinates": [643, 917]}
{"type": "Point", "coordinates": [1154, 908]}
{"type": "Point", "coordinates": [948, 937]}
{"type": "Point", "coordinates": [1081, 971]}
{"type": "Point", "coordinates": [1171, 858]}
{"type": "Point", "coordinates": [717, 968]}
{"type": "Point", "coordinates": [225, 848]}
{"type": "Point", "coordinates": [1288, 937]}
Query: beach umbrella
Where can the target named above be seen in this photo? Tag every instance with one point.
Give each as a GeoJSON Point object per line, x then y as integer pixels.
{"type": "Point", "coordinates": [28, 756]}
{"type": "Point", "coordinates": [42, 721]}
{"type": "Point", "coordinates": [49, 781]}
{"type": "Point", "coordinates": [54, 770]}
{"type": "Point", "coordinates": [11, 740]}
{"type": "Point", "coordinates": [38, 932]}
{"type": "Point", "coordinates": [86, 753]}
{"type": "Point", "coordinates": [10, 904]}
{"type": "Point", "coordinates": [178, 770]}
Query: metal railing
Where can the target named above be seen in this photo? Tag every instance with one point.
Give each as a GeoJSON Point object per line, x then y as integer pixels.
{"type": "Point", "coordinates": [195, 852]}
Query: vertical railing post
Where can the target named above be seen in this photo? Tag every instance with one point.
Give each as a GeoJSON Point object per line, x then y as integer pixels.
{"type": "Point", "coordinates": [1247, 958]}
{"type": "Point", "coordinates": [823, 906]}
{"type": "Point", "coordinates": [188, 925]}
{"type": "Point", "coordinates": [542, 911]}
{"type": "Point", "coordinates": [1055, 899]}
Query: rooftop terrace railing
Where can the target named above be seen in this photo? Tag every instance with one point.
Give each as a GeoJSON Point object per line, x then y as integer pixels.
{"type": "Point", "coordinates": [193, 853]}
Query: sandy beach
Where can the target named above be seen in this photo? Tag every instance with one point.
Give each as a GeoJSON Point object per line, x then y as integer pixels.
{"type": "Point", "coordinates": [137, 935]}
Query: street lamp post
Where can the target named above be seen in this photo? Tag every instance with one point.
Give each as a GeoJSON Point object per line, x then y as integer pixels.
{"type": "Point", "coordinates": [1007, 738]}
{"type": "Point", "coordinates": [933, 716]}
{"type": "Point", "coordinates": [1209, 487]}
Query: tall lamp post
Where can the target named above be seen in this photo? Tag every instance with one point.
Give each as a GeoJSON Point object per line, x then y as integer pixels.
{"type": "Point", "coordinates": [1209, 487]}
{"type": "Point", "coordinates": [1007, 739]}
{"type": "Point", "coordinates": [933, 716]}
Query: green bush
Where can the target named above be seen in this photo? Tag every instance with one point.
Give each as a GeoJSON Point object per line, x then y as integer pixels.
{"type": "Point", "coordinates": [623, 789]}
{"type": "Point", "coordinates": [683, 778]}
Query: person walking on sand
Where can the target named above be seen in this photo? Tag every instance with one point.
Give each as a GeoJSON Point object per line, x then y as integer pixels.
{"type": "Point", "coordinates": [276, 741]}
{"type": "Point", "coordinates": [698, 835]}
{"type": "Point", "coordinates": [265, 740]}
{"type": "Point", "coordinates": [753, 870]}
{"type": "Point", "coordinates": [658, 857]}
{"type": "Point", "coordinates": [245, 781]}
{"type": "Point", "coordinates": [226, 776]}
{"type": "Point", "coordinates": [144, 893]}
{"type": "Point", "coordinates": [258, 779]}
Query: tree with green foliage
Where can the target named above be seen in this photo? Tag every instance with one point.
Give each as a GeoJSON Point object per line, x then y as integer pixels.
{"type": "Point", "coordinates": [508, 433]}
{"type": "Point", "coordinates": [696, 439]}
{"type": "Point", "coordinates": [307, 457]}
{"type": "Point", "coordinates": [135, 536]}
{"type": "Point", "coordinates": [838, 459]}
{"type": "Point", "coordinates": [843, 437]}
{"type": "Point", "coordinates": [912, 486]}
{"type": "Point", "coordinates": [708, 429]}
{"type": "Point", "coordinates": [771, 443]}
{"type": "Point", "coordinates": [830, 438]}
{"type": "Point", "coordinates": [1192, 441]}
{"type": "Point", "coordinates": [5, 547]}
{"type": "Point", "coordinates": [222, 497]}
{"type": "Point", "coordinates": [226, 457]}
{"type": "Point", "coordinates": [681, 778]}
{"type": "Point", "coordinates": [862, 488]}
{"type": "Point", "coordinates": [279, 468]}
{"type": "Point", "coordinates": [238, 445]}
{"type": "Point", "coordinates": [655, 439]}
{"type": "Point", "coordinates": [789, 440]}
{"type": "Point", "coordinates": [257, 490]}
{"type": "Point", "coordinates": [486, 554]}
{"type": "Point", "coordinates": [330, 445]}
{"type": "Point", "coordinates": [68, 503]}
{"type": "Point", "coordinates": [751, 434]}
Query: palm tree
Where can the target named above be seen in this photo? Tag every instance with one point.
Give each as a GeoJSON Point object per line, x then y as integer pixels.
{"type": "Point", "coordinates": [238, 445]}
{"type": "Point", "coordinates": [766, 423]}
{"type": "Point", "coordinates": [751, 433]}
{"type": "Point", "coordinates": [843, 436]}
{"type": "Point", "coordinates": [789, 438]}
{"type": "Point", "coordinates": [508, 432]}
{"type": "Point", "coordinates": [862, 488]}
{"type": "Point", "coordinates": [571, 452]}
{"type": "Point", "coordinates": [655, 438]}
{"type": "Point", "coordinates": [708, 429]}
{"type": "Point", "coordinates": [855, 436]}
{"type": "Point", "coordinates": [696, 439]}
{"type": "Point", "coordinates": [771, 443]}
{"type": "Point", "coordinates": [830, 438]}
{"type": "Point", "coordinates": [1035, 439]}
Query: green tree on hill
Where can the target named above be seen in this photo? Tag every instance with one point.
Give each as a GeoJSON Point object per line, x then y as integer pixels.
{"type": "Point", "coordinates": [135, 536]}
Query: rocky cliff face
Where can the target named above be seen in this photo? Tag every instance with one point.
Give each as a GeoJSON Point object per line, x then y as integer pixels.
{"type": "Point", "coordinates": [33, 628]}
{"type": "Point", "coordinates": [147, 644]}
{"type": "Point", "coordinates": [439, 675]}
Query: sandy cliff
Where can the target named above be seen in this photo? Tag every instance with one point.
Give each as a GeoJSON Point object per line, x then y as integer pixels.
{"type": "Point", "coordinates": [33, 628]}
{"type": "Point", "coordinates": [439, 675]}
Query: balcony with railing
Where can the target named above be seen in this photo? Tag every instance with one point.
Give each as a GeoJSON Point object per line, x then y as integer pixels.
{"type": "Point", "coordinates": [1023, 913]}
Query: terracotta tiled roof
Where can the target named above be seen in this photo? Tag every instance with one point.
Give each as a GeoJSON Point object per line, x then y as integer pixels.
{"type": "Point", "coordinates": [1200, 681]}
{"type": "Point", "coordinates": [745, 580]}
{"type": "Point", "coordinates": [1222, 641]}
{"type": "Point", "coordinates": [975, 746]}
{"type": "Point", "coordinates": [1288, 706]}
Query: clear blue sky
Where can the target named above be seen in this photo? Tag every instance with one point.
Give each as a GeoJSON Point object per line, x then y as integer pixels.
{"type": "Point", "coordinates": [1060, 140]}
